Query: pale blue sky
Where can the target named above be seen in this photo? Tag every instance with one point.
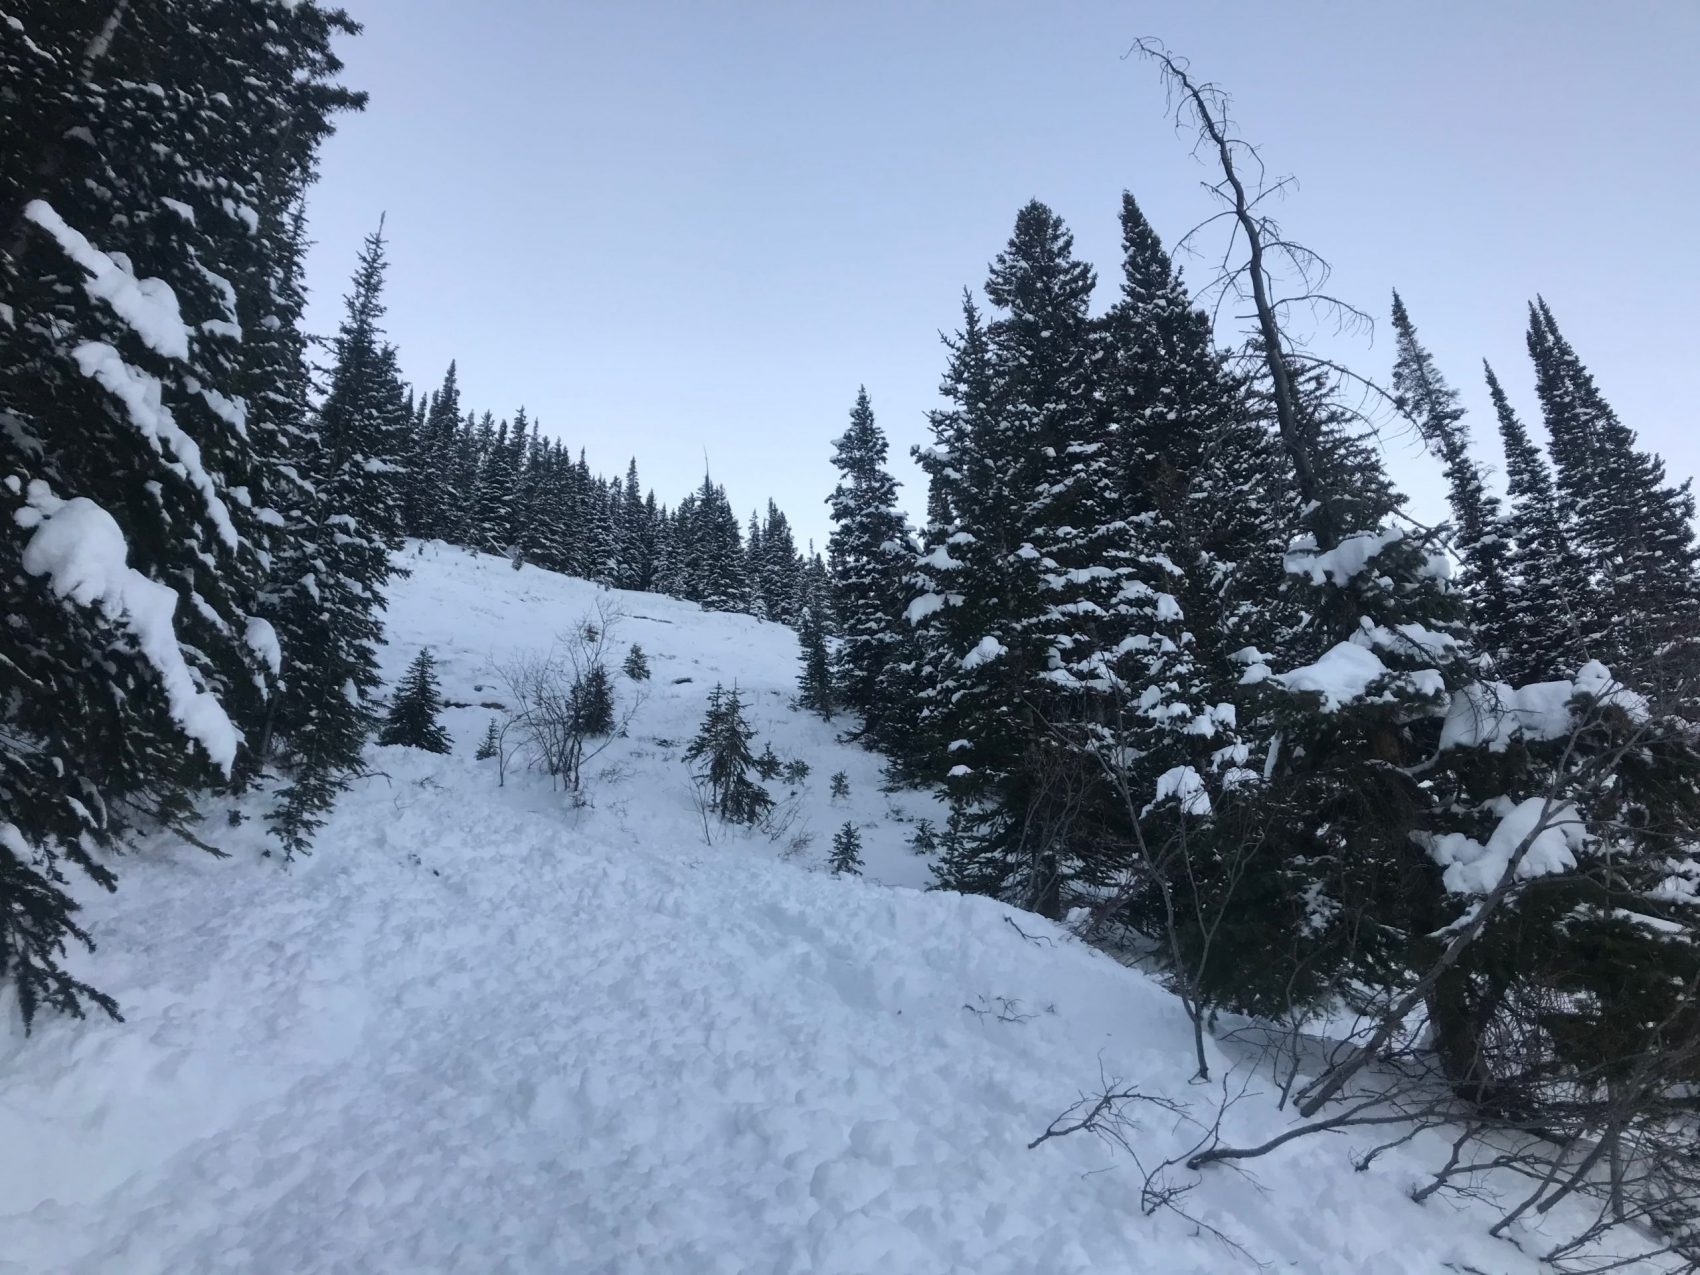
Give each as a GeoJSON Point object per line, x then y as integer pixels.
{"type": "Point", "coordinates": [671, 227]}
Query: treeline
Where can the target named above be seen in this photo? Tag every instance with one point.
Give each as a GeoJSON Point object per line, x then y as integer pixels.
{"type": "Point", "coordinates": [503, 487]}
{"type": "Point", "coordinates": [204, 506]}
{"type": "Point", "coordinates": [1187, 674]}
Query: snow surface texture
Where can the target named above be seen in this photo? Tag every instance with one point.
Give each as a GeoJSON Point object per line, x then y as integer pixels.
{"type": "Point", "coordinates": [479, 1031]}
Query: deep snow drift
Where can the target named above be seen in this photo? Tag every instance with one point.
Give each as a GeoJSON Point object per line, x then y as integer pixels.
{"type": "Point", "coordinates": [482, 1031]}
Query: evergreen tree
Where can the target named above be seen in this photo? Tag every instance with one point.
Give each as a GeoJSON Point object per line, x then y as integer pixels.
{"type": "Point", "coordinates": [722, 746]}
{"type": "Point", "coordinates": [593, 702]}
{"type": "Point", "coordinates": [712, 563]}
{"type": "Point", "coordinates": [1480, 540]}
{"type": "Point", "coordinates": [1548, 594]}
{"type": "Point", "coordinates": [145, 420]}
{"type": "Point", "coordinates": [636, 666]}
{"type": "Point", "coordinates": [815, 683]}
{"type": "Point", "coordinates": [635, 567]}
{"type": "Point", "coordinates": [431, 472]}
{"type": "Point", "coordinates": [839, 787]}
{"type": "Point", "coordinates": [491, 745]}
{"type": "Point", "coordinates": [1037, 590]}
{"type": "Point", "coordinates": [872, 559]}
{"type": "Point", "coordinates": [328, 586]}
{"type": "Point", "coordinates": [497, 482]}
{"type": "Point", "coordinates": [925, 839]}
{"type": "Point", "coordinates": [846, 851]}
{"type": "Point", "coordinates": [412, 720]}
{"type": "Point", "coordinates": [1635, 531]}
{"type": "Point", "coordinates": [779, 568]}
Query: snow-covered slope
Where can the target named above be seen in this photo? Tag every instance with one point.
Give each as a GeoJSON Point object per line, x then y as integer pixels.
{"type": "Point", "coordinates": [481, 1031]}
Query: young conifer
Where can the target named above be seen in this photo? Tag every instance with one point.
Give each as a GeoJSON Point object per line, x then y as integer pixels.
{"type": "Point", "coordinates": [412, 720]}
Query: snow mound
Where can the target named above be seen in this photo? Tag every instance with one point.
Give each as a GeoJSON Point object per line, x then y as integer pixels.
{"type": "Point", "coordinates": [481, 1030]}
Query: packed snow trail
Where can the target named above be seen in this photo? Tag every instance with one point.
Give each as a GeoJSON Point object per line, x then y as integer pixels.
{"type": "Point", "coordinates": [480, 1031]}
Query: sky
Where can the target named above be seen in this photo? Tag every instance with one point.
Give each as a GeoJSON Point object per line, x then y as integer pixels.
{"type": "Point", "coordinates": [688, 232]}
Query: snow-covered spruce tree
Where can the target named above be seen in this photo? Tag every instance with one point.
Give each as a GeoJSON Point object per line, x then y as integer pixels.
{"type": "Point", "coordinates": [151, 160]}
{"type": "Point", "coordinates": [721, 750]}
{"type": "Point", "coordinates": [846, 851]}
{"type": "Point", "coordinates": [1480, 539]}
{"type": "Point", "coordinates": [959, 594]}
{"type": "Point", "coordinates": [753, 564]}
{"type": "Point", "coordinates": [491, 745]}
{"type": "Point", "coordinates": [546, 532]}
{"type": "Point", "coordinates": [712, 566]}
{"type": "Point", "coordinates": [1209, 496]}
{"type": "Point", "coordinates": [412, 720]}
{"type": "Point", "coordinates": [593, 702]}
{"type": "Point", "coordinates": [636, 665]}
{"type": "Point", "coordinates": [431, 472]}
{"type": "Point", "coordinates": [1045, 569]}
{"type": "Point", "coordinates": [634, 538]}
{"type": "Point", "coordinates": [327, 588]}
{"type": "Point", "coordinates": [816, 689]}
{"type": "Point", "coordinates": [872, 558]}
{"type": "Point", "coordinates": [495, 488]}
{"type": "Point", "coordinates": [779, 568]}
{"type": "Point", "coordinates": [1548, 593]}
{"type": "Point", "coordinates": [1634, 530]}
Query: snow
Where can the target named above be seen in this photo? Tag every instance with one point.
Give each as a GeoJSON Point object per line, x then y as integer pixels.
{"type": "Point", "coordinates": [1185, 785]}
{"type": "Point", "coordinates": [1341, 676]}
{"type": "Point", "coordinates": [985, 651]}
{"type": "Point", "coordinates": [1492, 714]}
{"type": "Point", "coordinates": [147, 306]}
{"type": "Point", "coordinates": [1343, 562]}
{"type": "Point", "coordinates": [78, 546]}
{"type": "Point", "coordinates": [262, 640]}
{"type": "Point", "coordinates": [143, 400]}
{"type": "Point", "coordinates": [927, 604]}
{"type": "Point", "coordinates": [1472, 868]}
{"type": "Point", "coordinates": [481, 1030]}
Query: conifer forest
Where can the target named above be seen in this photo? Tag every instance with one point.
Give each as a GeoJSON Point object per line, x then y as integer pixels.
{"type": "Point", "coordinates": [1160, 682]}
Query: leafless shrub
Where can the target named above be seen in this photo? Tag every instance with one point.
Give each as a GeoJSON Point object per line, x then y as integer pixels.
{"type": "Point", "coordinates": [566, 707]}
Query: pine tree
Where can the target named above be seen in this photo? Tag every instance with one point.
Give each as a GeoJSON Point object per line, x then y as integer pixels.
{"type": "Point", "coordinates": [722, 746]}
{"type": "Point", "coordinates": [329, 580]}
{"type": "Point", "coordinates": [779, 569]}
{"type": "Point", "coordinates": [491, 745]}
{"type": "Point", "coordinates": [432, 470]}
{"type": "Point", "coordinates": [1548, 594]}
{"type": "Point", "coordinates": [1635, 531]}
{"type": "Point", "coordinates": [634, 536]}
{"type": "Point", "coordinates": [636, 666]}
{"type": "Point", "coordinates": [846, 851]}
{"type": "Point", "coordinates": [1036, 586]}
{"type": "Point", "coordinates": [1480, 542]}
{"type": "Point", "coordinates": [815, 684]}
{"type": "Point", "coordinates": [130, 373]}
{"type": "Point", "coordinates": [593, 702]}
{"type": "Point", "coordinates": [839, 786]}
{"type": "Point", "coordinates": [925, 839]}
{"type": "Point", "coordinates": [713, 565]}
{"type": "Point", "coordinates": [498, 474]}
{"type": "Point", "coordinates": [412, 720]}
{"type": "Point", "coordinates": [872, 556]}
